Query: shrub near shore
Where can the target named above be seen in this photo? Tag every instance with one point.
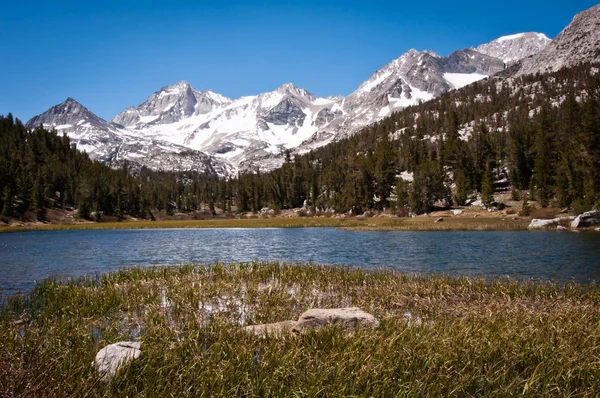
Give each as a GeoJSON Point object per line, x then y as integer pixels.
{"type": "Point", "coordinates": [438, 335]}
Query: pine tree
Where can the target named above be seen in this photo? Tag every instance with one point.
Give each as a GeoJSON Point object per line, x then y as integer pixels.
{"type": "Point", "coordinates": [402, 194]}
{"type": "Point", "coordinates": [7, 201]}
{"type": "Point", "coordinates": [461, 192]}
{"type": "Point", "coordinates": [39, 199]}
{"type": "Point", "coordinates": [384, 169]}
{"type": "Point", "coordinates": [487, 189]}
{"type": "Point", "coordinates": [543, 166]}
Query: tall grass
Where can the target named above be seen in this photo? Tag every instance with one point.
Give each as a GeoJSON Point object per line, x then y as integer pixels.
{"type": "Point", "coordinates": [473, 337]}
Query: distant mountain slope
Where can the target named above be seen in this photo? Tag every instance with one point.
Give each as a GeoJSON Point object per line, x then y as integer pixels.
{"type": "Point", "coordinates": [513, 48]}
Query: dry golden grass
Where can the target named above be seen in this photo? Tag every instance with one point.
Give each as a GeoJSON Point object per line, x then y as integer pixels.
{"type": "Point", "coordinates": [357, 223]}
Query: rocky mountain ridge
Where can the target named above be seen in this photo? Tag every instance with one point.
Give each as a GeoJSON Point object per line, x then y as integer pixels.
{"type": "Point", "coordinates": [184, 125]}
{"type": "Point", "coordinates": [578, 42]}
{"type": "Point", "coordinates": [112, 143]}
{"type": "Point", "coordinates": [513, 48]}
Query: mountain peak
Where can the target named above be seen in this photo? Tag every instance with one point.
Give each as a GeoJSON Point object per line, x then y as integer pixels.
{"type": "Point", "coordinates": [292, 89]}
{"type": "Point", "coordinates": [69, 103]}
{"type": "Point", "coordinates": [182, 83]}
{"type": "Point", "coordinates": [287, 87]}
{"type": "Point", "coordinates": [179, 87]}
{"type": "Point", "coordinates": [66, 115]}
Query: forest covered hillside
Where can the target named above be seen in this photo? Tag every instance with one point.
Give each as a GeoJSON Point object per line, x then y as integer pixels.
{"type": "Point", "coordinates": [536, 133]}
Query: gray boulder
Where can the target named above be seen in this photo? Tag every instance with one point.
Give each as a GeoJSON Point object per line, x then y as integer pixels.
{"type": "Point", "coordinates": [349, 318]}
{"type": "Point", "coordinates": [587, 219]}
{"type": "Point", "coordinates": [112, 357]}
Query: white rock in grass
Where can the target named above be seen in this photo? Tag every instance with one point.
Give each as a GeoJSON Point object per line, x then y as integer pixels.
{"type": "Point", "coordinates": [349, 318]}
{"type": "Point", "coordinates": [112, 357]}
{"type": "Point", "coordinates": [457, 212]}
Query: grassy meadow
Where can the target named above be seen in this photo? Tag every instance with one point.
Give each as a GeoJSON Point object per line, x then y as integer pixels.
{"type": "Point", "coordinates": [439, 335]}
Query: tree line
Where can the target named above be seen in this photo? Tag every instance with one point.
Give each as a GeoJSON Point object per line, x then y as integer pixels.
{"type": "Point", "coordinates": [534, 133]}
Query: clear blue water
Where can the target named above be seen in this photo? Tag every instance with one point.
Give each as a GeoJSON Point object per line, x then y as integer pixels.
{"type": "Point", "coordinates": [30, 256]}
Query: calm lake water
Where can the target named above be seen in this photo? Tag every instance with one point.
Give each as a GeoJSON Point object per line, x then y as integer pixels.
{"type": "Point", "coordinates": [30, 256]}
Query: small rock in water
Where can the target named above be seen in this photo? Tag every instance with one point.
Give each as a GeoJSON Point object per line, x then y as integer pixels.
{"type": "Point", "coordinates": [109, 359]}
{"type": "Point", "coordinates": [349, 318]}
{"type": "Point", "coordinates": [561, 228]}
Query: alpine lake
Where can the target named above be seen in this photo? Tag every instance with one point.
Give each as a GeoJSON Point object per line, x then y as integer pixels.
{"type": "Point", "coordinates": [27, 257]}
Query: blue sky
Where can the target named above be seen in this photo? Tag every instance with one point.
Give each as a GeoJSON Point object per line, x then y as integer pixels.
{"type": "Point", "coordinates": [112, 54]}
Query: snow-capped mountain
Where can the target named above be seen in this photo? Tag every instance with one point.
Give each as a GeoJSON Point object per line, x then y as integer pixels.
{"type": "Point", "coordinates": [247, 128]}
{"type": "Point", "coordinates": [578, 42]}
{"type": "Point", "coordinates": [513, 48]}
{"type": "Point", "coordinates": [91, 133]}
{"type": "Point", "coordinates": [179, 125]}
{"type": "Point", "coordinates": [171, 104]}
{"type": "Point", "coordinates": [413, 77]}
{"type": "Point", "coordinates": [113, 143]}
{"type": "Point", "coordinates": [256, 130]}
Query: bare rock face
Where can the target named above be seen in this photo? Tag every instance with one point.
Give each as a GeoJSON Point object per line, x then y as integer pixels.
{"type": "Point", "coordinates": [349, 318]}
{"type": "Point", "coordinates": [579, 42]}
{"type": "Point", "coordinates": [286, 113]}
{"type": "Point", "coordinates": [112, 357]}
{"type": "Point", "coordinates": [271, 329]}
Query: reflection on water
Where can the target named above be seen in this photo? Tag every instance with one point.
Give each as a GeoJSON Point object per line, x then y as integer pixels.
{"type": "Point", "coordinates": [29, 256]}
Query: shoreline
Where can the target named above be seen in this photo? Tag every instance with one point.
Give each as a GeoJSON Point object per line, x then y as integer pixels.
{"type": "Point", "coordinates": [350, 223]}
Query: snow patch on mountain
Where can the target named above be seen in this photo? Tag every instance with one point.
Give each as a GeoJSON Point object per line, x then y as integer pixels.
{"type": "Point", "coordinates": [460, 80]}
